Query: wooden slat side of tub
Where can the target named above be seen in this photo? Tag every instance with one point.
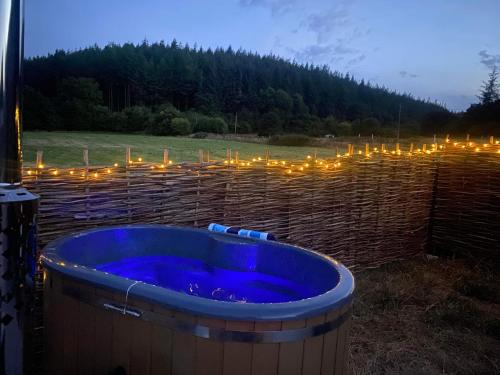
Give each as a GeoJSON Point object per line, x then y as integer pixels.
{"type": "Point", "coordinates": [103, 340]}
{"type": "Point", "coordinates": [210, 353]}
{"type": "Point", "coordinates": [184, 348]}
{"type": "Point", "coordinates": [341, 365]}
{"type": "Point", "coordinates": [161, 345]}
{"type": "Point", "coordinates": [343, 347]}
{"type": "Point", "coordinates": [120, 354]}
{"type": "Point", "coordinates": [313, 349]}
{"type": "Point", "coordinates": [70, 326]}
{"type": "Point", "coordinates": [86, 335]}
{"type": "Point", "coordinates": [54, 315]}
{"type": "Point", "coordinates": [265, 357]}
{"type": "Point", "coordinates": [291, 353]}
{"type": "Point", "coordinates": [85, 338]}
{"type": "Point", "coordinates": [140, 350]}
{"type": "Point", "coordinates": [330, 347]}
{"type": "Point", "coordinates": [237, 355]}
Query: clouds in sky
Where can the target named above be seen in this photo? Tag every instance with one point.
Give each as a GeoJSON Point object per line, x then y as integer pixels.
{"type": "Point", "coordinates": [328, 31]}
{"type": "Point", "coordinates": [405, 74]}
{"type": "Point", "coordinates": [330, 23]}
{"type": "Point", "coordinates": [277, 7]}
{"type": "Point", "coordinates": [489, 60]}
{"type": "Point", "coordinates": [350, 35]}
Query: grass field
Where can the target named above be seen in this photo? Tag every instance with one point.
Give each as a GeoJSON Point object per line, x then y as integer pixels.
{"type": "Point", "coordinates": [66, 148]}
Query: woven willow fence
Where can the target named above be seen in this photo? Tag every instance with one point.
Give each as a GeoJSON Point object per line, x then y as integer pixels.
{"type": "Point", "coordinates": [364, 209]}
{"type": "Point", "coordinates": [466, 211]}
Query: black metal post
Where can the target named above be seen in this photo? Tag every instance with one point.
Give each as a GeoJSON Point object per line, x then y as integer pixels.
{"type": "Point", "coordinates": [18, 207]}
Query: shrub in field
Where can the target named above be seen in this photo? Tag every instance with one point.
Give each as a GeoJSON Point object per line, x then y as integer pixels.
{"type": "Point", "coordinates": [366, 127]}
{"type": "Point", "coordinates": [243, 127]}
{"type": "Point", "coordinates": [180, 126]}
{"type": "Point", "coordinates": [161, 124]}
{"type": "Point", "coordinates": [290, 140]}
{"type": "Point", "coordinates": [388, 132]}
{"type": "Point", "coordinates": [39, 111]}
{"type": "Point", "coordinates": [138, 119]}
{"type": "Point", "coordinates": [344, 128]}
{"type": "Point", "coordinates": [270, 123]}
{"type": "Point", "coordinates": [211, 125]}
{"type": "Point", "coordinates": [200, 135]}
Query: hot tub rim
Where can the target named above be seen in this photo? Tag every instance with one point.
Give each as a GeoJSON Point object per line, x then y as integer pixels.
{"type": "Point", "coordinates": [332, 299]}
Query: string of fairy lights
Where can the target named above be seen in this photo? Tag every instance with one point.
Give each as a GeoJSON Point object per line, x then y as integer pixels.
{"type": "Point", "coordinates": [288, 167]}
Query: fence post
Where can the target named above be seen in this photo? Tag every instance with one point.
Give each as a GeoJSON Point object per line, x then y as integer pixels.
{"type": "Point", "coordinates": [200, 156]}
{"type": "Point", "coordinates": [87, 187]}
{"type": "Point", "coordinates": [165, 157]}
{"type": "Point", "coordinates": [424, 147]}
{"type": "Point", "coordinates": [367, 149]}
{"type": "Point", "coordinates": [492, 140]}
{"type": "Point", "coordinates": [127, 156]}
{"type": "Point", "coordinates": [39, 159]}
{"type": "Point", "coordinates": [411, 147]}
{"type": "Point", "coordinates": [128, 161]}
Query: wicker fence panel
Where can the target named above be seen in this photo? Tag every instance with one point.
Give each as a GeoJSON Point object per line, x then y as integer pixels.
{"type": "Point", "coordinates": [365, 212]}
{"type": "Point", "coordinates": [466, 214]}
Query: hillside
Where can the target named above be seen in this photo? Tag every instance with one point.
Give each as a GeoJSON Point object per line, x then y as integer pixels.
{"type": "Point", "coordinates": [268, 94]}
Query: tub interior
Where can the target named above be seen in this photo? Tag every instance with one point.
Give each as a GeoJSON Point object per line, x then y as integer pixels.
{"type": "Point", "coordinates": [204, 264]}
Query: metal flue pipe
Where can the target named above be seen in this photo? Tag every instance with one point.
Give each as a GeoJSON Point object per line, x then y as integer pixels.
{"type": "Point", "coordinates": [11, 57]}
{"type": "Point", "coordinates": [18, 207]}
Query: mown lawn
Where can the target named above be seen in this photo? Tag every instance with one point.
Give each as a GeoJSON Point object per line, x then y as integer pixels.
{"type": "Point", "coordinates": [66, 148]}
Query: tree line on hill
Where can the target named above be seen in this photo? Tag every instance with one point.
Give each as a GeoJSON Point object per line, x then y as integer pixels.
{"type": "Point", "coordinates": [481, 119]}
{"type": "Point", "coordinates": [170, 89]}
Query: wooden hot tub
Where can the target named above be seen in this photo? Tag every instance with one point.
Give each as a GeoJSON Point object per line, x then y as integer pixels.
{"type": "Point", "coordinates": [163, 300]}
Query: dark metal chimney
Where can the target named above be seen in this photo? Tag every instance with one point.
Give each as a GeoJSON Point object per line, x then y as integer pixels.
{"type": "Point", "coordinates": [18, 207]}
{"type": "Point", "coordinates": [11, 57]}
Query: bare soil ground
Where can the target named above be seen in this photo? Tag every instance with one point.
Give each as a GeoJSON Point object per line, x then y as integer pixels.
{"type": "Point", "coordinates": [427, 317]}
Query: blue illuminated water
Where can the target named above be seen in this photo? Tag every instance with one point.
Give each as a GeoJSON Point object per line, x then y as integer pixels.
{"type": "Point", "coordinates": [197, 278]}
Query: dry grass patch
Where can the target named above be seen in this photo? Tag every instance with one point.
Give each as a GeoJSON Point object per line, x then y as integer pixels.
{"type": "Point", "coordinates": [427, 317]}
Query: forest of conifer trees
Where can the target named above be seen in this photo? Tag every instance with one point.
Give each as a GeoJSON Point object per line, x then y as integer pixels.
{"type": "Point", "coordinates": [171, 89]}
